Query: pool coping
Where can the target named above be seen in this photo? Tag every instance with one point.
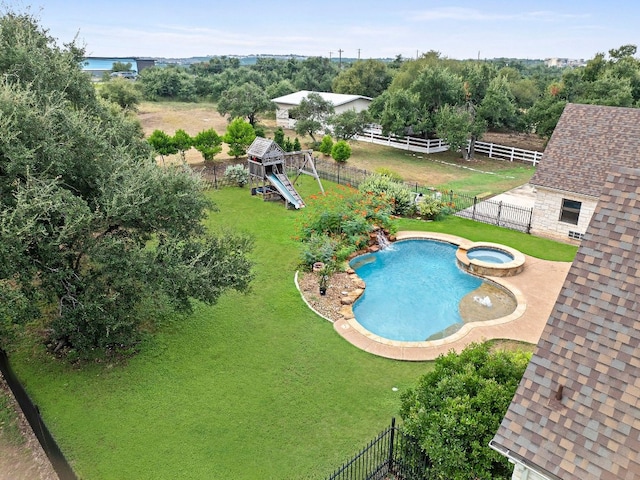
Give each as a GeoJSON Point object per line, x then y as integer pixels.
{"type": "Point", "coordinates": [524, 324]}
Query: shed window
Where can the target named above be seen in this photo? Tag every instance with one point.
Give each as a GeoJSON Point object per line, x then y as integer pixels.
{"type": "Point", "coordinates": [570, 211]}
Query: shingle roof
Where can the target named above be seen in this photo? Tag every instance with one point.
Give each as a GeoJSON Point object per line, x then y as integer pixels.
{"type": "Point", "coordinates": [336, 99]}
{"type": "Point", "coordinates": [264, 148]}
{"type": "Point", "coordinates": [590, 348]}
{"type": "Point", "coordinates": [586, 142]}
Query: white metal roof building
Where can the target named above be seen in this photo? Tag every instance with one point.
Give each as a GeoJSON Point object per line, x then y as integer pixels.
{"type": "Point", "coordinates": [341, 103]}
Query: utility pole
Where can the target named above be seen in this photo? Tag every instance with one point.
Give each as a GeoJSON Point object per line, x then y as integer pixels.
{"type": "Point", "coordinates": [340, 59]}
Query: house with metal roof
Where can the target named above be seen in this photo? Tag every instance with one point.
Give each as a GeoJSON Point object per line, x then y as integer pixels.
{"type": "Point", "coordinates": [576, 412]}
{"type": "Point", "coordinates": [341, 103]}
{"type": "Point", "coordinates": [587, 141]}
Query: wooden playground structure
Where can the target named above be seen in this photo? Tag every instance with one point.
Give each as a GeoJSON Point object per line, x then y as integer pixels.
{"type": "Point", "coordinates": [267, 163]}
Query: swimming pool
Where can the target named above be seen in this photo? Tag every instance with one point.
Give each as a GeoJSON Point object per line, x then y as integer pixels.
{"type": "Point", "coordinates": [413, 291]}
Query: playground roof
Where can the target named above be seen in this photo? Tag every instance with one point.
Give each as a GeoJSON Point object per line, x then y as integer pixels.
{"type": "Point", "coordinates": [263, 148]}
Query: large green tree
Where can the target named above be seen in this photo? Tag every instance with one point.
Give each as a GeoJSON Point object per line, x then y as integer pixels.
{"type": "Point", "coordinates": [497, 107]}
{"type": "Point", "coordinates": [246, 101]}
{"type": "Point", "coordinates": [94, 234]}
{"type": "Point", "coordinates": [368, 77]}
{"type": "Point", "coordinates": [455, 410]}
{"type": "Point", "coordinates": [312, 115]}
{"type": "Point", "coordinates": [397, 111]}
{"type": "Point", "coordinates": [347, 125]}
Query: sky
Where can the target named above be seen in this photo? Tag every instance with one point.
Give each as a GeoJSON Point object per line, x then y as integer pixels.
{"type": "Point", "coordinates": [461, 29]}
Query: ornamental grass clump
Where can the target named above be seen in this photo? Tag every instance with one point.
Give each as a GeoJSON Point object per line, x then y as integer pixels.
{"type": "Point", "coordinates": [237, 175]}
{"type": "Point", "coordinates": [396, 194]}
{"type": "Point", "coordinates": [341, 220]}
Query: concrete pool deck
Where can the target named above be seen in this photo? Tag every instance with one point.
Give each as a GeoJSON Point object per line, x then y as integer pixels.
{"type": "Point", "coordinates": [536, 289]}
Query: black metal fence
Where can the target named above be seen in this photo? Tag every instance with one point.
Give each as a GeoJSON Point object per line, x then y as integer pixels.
{"type": "Point", "coordinates": [475, 208]}
{"type": "Point", "coordinates": [391, 455]}
{"type": "Point", "coordinates": [499, 213]}
{"type": "Point", "coordinates": [32, 414]}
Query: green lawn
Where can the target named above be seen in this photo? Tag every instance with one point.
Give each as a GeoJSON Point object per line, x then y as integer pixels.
{"type": "Point", "coordinates": [445, 170]}
{"type": "Point", "coordinates": [257, 386]}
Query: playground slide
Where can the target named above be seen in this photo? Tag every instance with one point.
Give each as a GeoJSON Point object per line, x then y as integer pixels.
{"type": "Point", "coordinates": [284, 187]}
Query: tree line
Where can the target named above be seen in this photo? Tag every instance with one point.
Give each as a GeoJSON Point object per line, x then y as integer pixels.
{"type": "Point", "coordinates": [431, 96]}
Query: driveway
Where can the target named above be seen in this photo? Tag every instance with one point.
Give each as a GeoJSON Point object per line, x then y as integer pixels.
{"type": "Point", "coordinates": [523, 196]}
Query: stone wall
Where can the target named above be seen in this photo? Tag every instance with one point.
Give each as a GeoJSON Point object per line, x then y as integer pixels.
{"type": "Point", "coordinates": [546, 214]}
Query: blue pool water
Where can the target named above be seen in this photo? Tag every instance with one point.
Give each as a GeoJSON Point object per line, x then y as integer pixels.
{"type": "Point", "coordinates": [413, 290]}
{"type": "Point", "coordinates": [491, 255]}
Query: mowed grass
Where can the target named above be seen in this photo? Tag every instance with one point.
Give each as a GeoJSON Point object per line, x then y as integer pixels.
{"type": "Point", "coordinates": [445, 170]}
{"type": "Point", "coordinates": [257, 386]}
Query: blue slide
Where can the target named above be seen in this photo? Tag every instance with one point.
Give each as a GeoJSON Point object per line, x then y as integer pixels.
{"type": "Point", "coordinates": [283, 185]}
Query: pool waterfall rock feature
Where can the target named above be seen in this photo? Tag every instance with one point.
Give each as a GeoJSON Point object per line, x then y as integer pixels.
{"type": "Point", "coordinates": [382, 239]}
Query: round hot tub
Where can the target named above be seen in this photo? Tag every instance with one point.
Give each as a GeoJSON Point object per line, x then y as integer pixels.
{"type": "Point", "coordinates": [489, 254]}
{"type": "Point", "coordinates": [490, 259]}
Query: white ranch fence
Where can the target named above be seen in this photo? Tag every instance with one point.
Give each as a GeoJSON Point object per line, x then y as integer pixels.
{"type": "Point", "coordinates": [413, 144]}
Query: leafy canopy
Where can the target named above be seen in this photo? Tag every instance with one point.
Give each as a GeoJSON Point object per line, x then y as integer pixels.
{"type": "Point", "coordinates": [455, 410]}
{"type": "Point", "coordinates": [95, 237]}
{"type": "Point", "coordinates": [246, 101]}
{"type": "Point", "coordinates": [312, 115]}
{"type": "Point", "coordinates": [239, 136]}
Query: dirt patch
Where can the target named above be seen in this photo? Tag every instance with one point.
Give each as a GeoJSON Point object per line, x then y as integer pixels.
{"type": "Point", "coordinates": [327, 305]}
{"type": "Point", "coordinates": [526, 141]}
{"type": "Point", "coordinates": [190, 117]}
{"type": "Point", "coordinates": [24, 460]}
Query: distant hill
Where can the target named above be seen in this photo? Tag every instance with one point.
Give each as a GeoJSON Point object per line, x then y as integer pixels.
{"type": "Point", "coordinates": [250, 59]}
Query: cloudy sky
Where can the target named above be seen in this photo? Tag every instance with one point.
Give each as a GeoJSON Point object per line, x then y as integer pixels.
{"type": "Point", "coordinates": [369, 29]}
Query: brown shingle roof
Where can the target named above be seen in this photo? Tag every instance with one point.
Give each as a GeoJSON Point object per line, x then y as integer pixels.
{"type": "Point", "coordinates": [264, 148]}
{"type": "Point", "coordinates": [587, 141]}
{"type": "Point", "coordinates": [590, 348]}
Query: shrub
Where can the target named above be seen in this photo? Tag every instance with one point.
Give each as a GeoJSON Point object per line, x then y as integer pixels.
{"type": "Point", "coordinates": [326, 145]}
{"type": "Point", "coordinates": [341, 151]}
{"type": "Point", "coordinates": [345, 215]}
{"type": "Point", "coordinates": [399, 196]}
{"type": "Point", "coordinates": [319, 248]}
{"type": "Point", "coordinates": [431, 208]}
{"type": "Point", "coordinates": [237, 175]}
{"type": "Point", "coordinates": [386, 172]}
